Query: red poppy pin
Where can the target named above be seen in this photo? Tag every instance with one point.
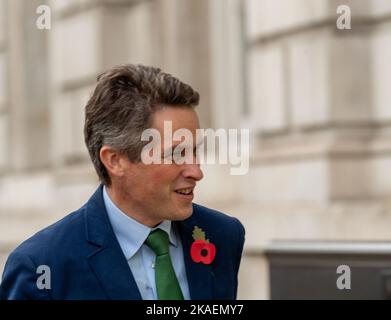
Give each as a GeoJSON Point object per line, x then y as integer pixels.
{"type": "Point", "coordinates": [201, 249]}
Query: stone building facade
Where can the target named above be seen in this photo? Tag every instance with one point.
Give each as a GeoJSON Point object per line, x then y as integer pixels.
{"type": "Point", "coordinates": [315, 98]}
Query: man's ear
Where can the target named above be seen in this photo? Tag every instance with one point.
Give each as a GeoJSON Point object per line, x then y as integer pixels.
{"type": "Point", "coordinates": [113, 160]}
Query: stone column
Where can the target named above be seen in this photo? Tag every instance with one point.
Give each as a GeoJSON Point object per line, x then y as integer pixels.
{"type": "Point", "coordinates": [4, 146]}
{"type": "Point", "coordinates": [27, 85]}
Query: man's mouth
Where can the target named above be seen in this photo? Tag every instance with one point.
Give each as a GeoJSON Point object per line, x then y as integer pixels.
{"type": "Point", "coordinates": [186, 192]}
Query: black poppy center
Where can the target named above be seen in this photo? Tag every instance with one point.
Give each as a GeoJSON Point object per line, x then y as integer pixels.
{"type": "Point", "coordinates": [204, 252]}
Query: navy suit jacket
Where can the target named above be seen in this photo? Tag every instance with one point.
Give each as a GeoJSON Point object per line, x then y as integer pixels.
{"type": "Point", "coordinates": [86, 261]}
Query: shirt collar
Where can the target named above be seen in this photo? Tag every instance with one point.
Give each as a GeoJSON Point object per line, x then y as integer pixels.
{"type": "Point", "coordinates": [130, 233]}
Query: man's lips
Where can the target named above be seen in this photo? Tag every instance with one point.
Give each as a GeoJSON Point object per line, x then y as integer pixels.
{"type": "Point", "coordinates": [185, 191]}
{"type": "Point", "coordinates": [185, 197]}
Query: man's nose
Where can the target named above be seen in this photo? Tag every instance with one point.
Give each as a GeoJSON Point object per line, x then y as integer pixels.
{"type": "Point", "coordinates": [193, 171]}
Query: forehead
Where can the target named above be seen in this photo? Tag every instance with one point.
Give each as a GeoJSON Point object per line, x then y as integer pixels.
{"type": "Point", "coordinates": [178, 117]}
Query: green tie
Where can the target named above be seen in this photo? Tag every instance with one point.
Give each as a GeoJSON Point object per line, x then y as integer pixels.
{"type": "Point", "coordinates": [167, 285]}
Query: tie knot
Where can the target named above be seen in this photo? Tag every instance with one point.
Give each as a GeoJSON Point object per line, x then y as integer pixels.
{"type": "Point", "coordinates": [158, 242]}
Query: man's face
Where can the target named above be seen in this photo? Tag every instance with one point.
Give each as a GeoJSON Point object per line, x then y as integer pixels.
{"type": "Point", "coordinates": [156, 192]}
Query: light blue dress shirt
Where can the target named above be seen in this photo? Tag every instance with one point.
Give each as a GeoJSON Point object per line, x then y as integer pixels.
{"type": "Point", "coordinates": [131, 236]}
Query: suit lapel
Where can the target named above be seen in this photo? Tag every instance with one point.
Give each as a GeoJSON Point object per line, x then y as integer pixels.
{"type": "Point", "coordinates": [105, 256]}
{"type": "Point", "coordinates": [199, 276]}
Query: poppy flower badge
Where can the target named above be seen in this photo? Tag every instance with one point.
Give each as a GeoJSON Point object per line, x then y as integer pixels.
{"type": "Point", "coordinates": [201, 249]}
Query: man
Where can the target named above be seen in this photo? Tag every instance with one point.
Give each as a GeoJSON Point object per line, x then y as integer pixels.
{"type": "Point", "coordinates": [139, 236]}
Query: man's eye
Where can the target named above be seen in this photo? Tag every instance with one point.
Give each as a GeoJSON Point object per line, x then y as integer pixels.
{"type": "Point", "coordinates": [167, 154]}
{"type": "Point", "coordinates": [179, 154]}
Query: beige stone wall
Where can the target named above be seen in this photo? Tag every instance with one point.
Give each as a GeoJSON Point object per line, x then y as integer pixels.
{"type": "Point", "coordinates": [315, 98]}
{"type": "Point", "coordinates": [318, 102]}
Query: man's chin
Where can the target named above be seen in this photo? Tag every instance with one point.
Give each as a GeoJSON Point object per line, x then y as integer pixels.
{"type": "Point", "coordinates": [183, 214]}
